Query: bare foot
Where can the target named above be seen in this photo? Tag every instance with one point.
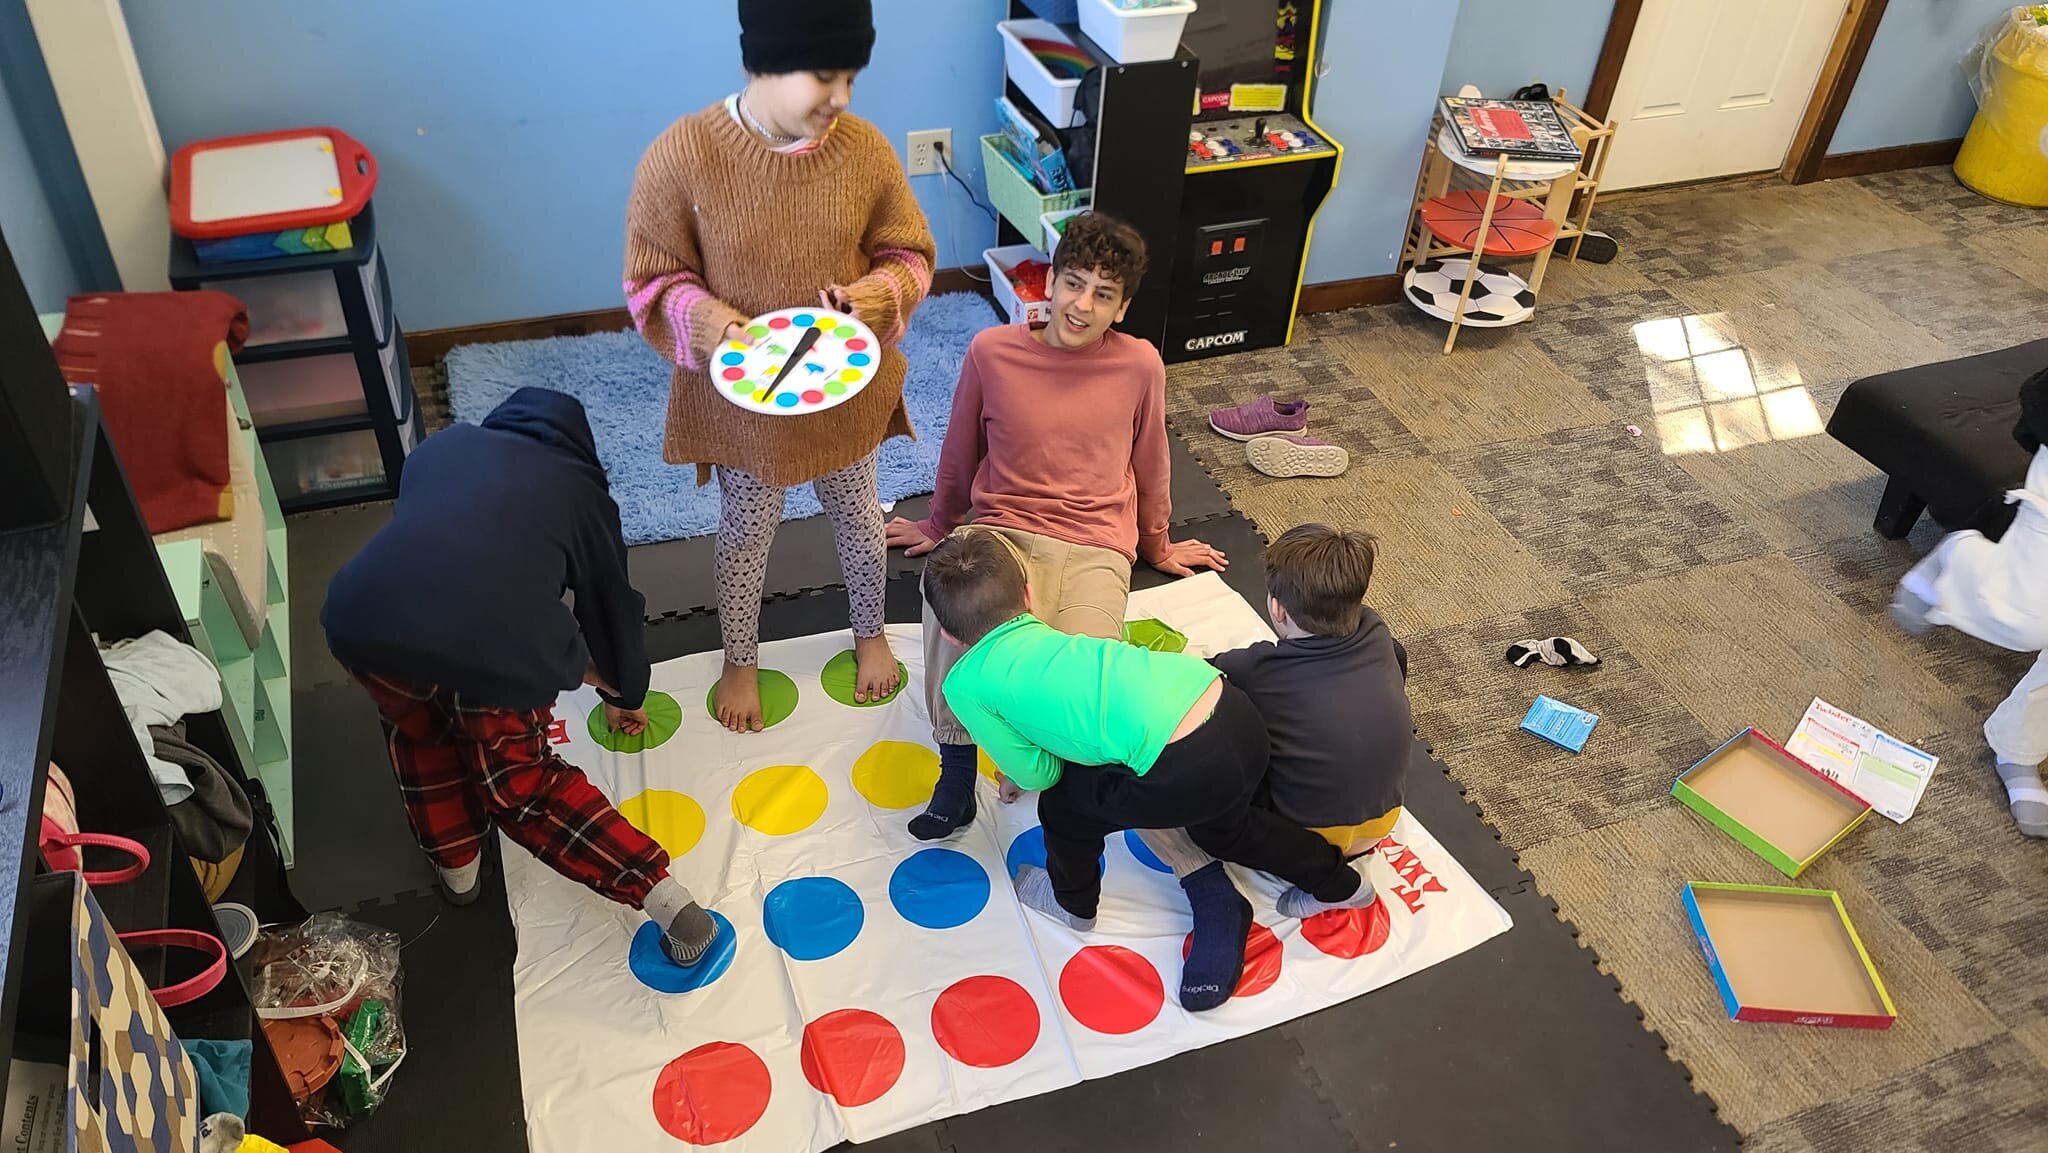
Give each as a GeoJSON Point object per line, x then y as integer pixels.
{"type": "Point", "coordinates": [875, 674]}
{"type": "Point", "coordinates": [739, 698]}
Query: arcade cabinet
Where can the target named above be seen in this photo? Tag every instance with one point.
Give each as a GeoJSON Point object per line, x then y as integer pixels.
{"type": "Point", "coordinates": [1257, 169]}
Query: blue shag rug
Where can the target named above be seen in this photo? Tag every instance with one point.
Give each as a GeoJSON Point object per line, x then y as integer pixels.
{"type": "Point", "coordinates": [623, 385]}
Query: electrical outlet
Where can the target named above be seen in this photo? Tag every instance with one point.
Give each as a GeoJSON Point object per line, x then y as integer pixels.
{"type": "Point", "coordinates": [921, 158]}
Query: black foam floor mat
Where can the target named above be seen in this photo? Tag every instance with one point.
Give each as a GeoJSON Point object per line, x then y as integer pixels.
{"type": "Point", "coordinates": [352, 843]}
{"type": "Point", "coordinates": [1521, 1043]}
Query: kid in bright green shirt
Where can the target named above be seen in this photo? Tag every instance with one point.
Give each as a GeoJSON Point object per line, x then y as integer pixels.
{"type": "Point", "coordinates": [1118, 738]}
{"type": "Point", "coordinates": [1001, 689]}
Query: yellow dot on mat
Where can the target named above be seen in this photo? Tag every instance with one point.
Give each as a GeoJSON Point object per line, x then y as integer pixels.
{"type": "Point", "coordinates": [896, 774]}
{"type": "Point", "coordinates": [850, 376]}
{"type": "Point", "coordinates": [987, 767]}
{"type": "Point", "coordinates": [736, 346]}
{"type": "Point", "coordinates": [779, 800]}
{"type": "Point", "coordinates": [673, 819]}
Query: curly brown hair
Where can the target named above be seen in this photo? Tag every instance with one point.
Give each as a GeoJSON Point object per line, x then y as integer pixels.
{"type": "Point", "coordinates": [1101, 243]}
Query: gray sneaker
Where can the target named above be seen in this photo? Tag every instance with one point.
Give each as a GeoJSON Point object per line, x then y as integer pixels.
{"type": "Point", "coordinates": [690, 935]}
{"type": "Point", "coordinates": [1289, 456]}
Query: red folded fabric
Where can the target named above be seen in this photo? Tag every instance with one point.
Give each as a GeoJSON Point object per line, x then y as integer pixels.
{"type": "Point", "coordinates": [159, 362]}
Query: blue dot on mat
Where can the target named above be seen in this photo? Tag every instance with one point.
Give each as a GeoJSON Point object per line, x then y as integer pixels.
{"type": "Point", "coordinates": [1029, 849]}
{"type": "Point", "coordinates": [1144, 853]}
{"type": "Point", "coordinates": [803, 320]}
{"type": "Point", "coordinates": [732, 358]}
{"type": "Point", "coordinates": [662, 975]}
{"type": "Point", "coordinates": [857, 359]}
{"type": "Point", "coordinates": [812, 918]}
{"type": "Point", "coordinates": [786, 399]}
{"type": "Point", "coordinates": [939, 889]}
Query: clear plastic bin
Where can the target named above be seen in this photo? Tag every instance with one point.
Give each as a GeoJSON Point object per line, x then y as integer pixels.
{"type": "Point", "coordinates": [303, 388]}
{"type": "Point", "coordinates": [308, 466]}
{"type": "Point", "coordinates": [290, 307]}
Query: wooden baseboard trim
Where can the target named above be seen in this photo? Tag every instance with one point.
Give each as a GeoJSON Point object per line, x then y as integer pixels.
{"type": "Point", "coordinates": [1338, 295]}
{"type": "Point", "coordinates": [426, 348]}
{"type": "Point", "coordinates": [1889, 159]}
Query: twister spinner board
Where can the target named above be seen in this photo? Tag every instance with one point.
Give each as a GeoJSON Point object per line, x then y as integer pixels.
{"type": "Point", "coordinates": [803, 360]}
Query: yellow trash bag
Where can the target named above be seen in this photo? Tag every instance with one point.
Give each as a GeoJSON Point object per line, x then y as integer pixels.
{"type": "Point", "coordinates": [2005, 154]}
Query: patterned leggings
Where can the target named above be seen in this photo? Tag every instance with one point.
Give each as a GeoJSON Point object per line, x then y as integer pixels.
{"type": "Point", "coordinates": [749, 512]}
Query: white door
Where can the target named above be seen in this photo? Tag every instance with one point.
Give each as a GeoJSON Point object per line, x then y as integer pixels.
{"type": "Point", "coordinates": [1716, 87]}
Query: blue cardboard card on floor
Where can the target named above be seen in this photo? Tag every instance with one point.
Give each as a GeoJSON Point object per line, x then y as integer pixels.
{"type": "Point", "coordinates": [1563, 725]}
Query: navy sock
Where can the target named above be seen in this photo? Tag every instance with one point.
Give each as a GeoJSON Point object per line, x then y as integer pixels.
{"type": "Point", "coordinates": [1223, 918]}
{"type": "Point", "coordinates": [952, 805]}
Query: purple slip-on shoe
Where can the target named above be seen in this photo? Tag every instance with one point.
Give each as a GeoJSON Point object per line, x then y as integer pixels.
{"type": "Point", "coordinates": [1262, 417]}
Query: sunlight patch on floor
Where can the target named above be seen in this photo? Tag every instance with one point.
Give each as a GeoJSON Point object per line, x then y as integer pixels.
{"type": "Point", "coordinates": [1710, 392]}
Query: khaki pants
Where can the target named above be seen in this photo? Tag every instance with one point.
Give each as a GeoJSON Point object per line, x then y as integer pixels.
{"type": "Point", "coordinates": [1074, 588]}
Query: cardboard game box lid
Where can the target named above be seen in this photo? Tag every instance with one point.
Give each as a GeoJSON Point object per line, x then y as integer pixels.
{"type": "Point", "coordinates": [1770, 800]}
{"type": "Point", "coordinates": [1787, 955]}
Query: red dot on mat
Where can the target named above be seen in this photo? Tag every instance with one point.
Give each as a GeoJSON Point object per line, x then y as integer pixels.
{"type": "Point", "coordinates": [712, 1093]}
{"type": "Point", "coordinates": [1110, 989]}
{"type": "Point", "coordinates": [856, 345]}
{"type": "Point", "coordinates": [779, 322]}
{"type": "Point", "coordinates": [813, 396]}
{"type": "Point", "coordinates": [733, 373]}
{"type": "Point", "coordinates": [986, 1022]}
{"type": "Point", "coordinates": [1261, 960]}
{"type": "Point", "coordinates": [1349, 933]}
{"type": "Point", "coordinates": [852, 1056]}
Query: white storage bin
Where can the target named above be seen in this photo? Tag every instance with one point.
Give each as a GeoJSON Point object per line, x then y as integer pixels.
{"type": "Point", "coordinates": [1050, 223]}
{"type": "Point", "coordinates": [1135, 35]}
{"type": "Point", "coordinates": [318, 464]}
{"type": "Point", "coordinates": [1053, 95]}
{"type": "Point", "coordinates": [397, 381]}
{"type": "Point", "coordinates": [303, 388]}
{"type": "Point", "coordinates": [294, 306]}
{"type": "Point", "coordinates": [375, 292]}
{"type": "Point", "coordinates": [1000, 262]}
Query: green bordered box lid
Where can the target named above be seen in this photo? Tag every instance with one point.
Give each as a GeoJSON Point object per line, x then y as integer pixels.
{"type": "Point", "coordinates": [1771, 801]}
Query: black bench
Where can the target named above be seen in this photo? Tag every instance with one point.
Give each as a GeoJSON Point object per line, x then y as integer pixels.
{"type": "Point", "coordinates": [1943, 434]}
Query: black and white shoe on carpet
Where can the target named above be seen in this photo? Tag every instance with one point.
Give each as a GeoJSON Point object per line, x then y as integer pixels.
{"type": "Point", "coordinates": [1556, 651]}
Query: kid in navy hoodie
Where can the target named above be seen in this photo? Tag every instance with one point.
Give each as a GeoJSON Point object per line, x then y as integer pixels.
{"type": "Point", "coordinates": [454, 618]}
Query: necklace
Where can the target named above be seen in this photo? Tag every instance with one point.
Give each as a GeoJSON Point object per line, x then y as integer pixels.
{"type": "Point", "coordinates": [775, 138]}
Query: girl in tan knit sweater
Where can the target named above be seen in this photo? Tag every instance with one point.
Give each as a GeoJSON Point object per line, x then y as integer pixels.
{"type": "Point", "coordinates": [771, 199]}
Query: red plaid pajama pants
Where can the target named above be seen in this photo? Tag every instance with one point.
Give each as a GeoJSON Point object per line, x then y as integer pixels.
{"type": "Point", "coordinates": [463, 767]}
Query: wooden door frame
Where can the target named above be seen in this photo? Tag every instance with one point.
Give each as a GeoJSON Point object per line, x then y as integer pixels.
{"type": "Point", "coordinates": [1838, 74]}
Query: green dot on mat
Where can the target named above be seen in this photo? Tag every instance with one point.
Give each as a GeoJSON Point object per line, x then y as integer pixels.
{"type": "Point", "coordinates": [846, 332]}
{"type": "Point", "coordinates": [664, 717]}
{"type": "Point", "coordinates": [835, 388]}
{"type": "Point", "coordinates": [743, 387]}
{"type": "Point", "coordinates": [758, 331]}
{"type": "Point", "coordinates": [778, 698]}
{"type": "Point", "coordinates": [1155, 635]}
{"type": "Point", "coordinates": [840, 679]}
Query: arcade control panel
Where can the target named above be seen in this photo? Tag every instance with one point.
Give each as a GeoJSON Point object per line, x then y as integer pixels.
{"type": "Point", "coordinates": [1220, 143]}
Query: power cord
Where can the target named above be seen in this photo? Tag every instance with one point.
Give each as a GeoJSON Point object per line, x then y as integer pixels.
{"type": "Point", "coordinates": [939, 150]}
{"type": "Point", "coordinates": [946, 207]}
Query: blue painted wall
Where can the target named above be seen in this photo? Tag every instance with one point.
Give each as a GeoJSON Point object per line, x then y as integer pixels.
{"type": "Point", "coordinates": [1382, 61]}
{"type": "Point", "coordinates": [25, 217]}
{"type": "Point", "coordinates": [506, 131]}
{"type": "Point", "coordinates": [1500, 46]}
{"type": "Point", "coordinates": [1911, 88]}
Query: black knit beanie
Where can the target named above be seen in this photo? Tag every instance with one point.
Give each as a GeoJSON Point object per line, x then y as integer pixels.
{"type": "Point", "coordinates": [805, 35]}
{"type": "Point", "coordinates": [2032, 429]}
